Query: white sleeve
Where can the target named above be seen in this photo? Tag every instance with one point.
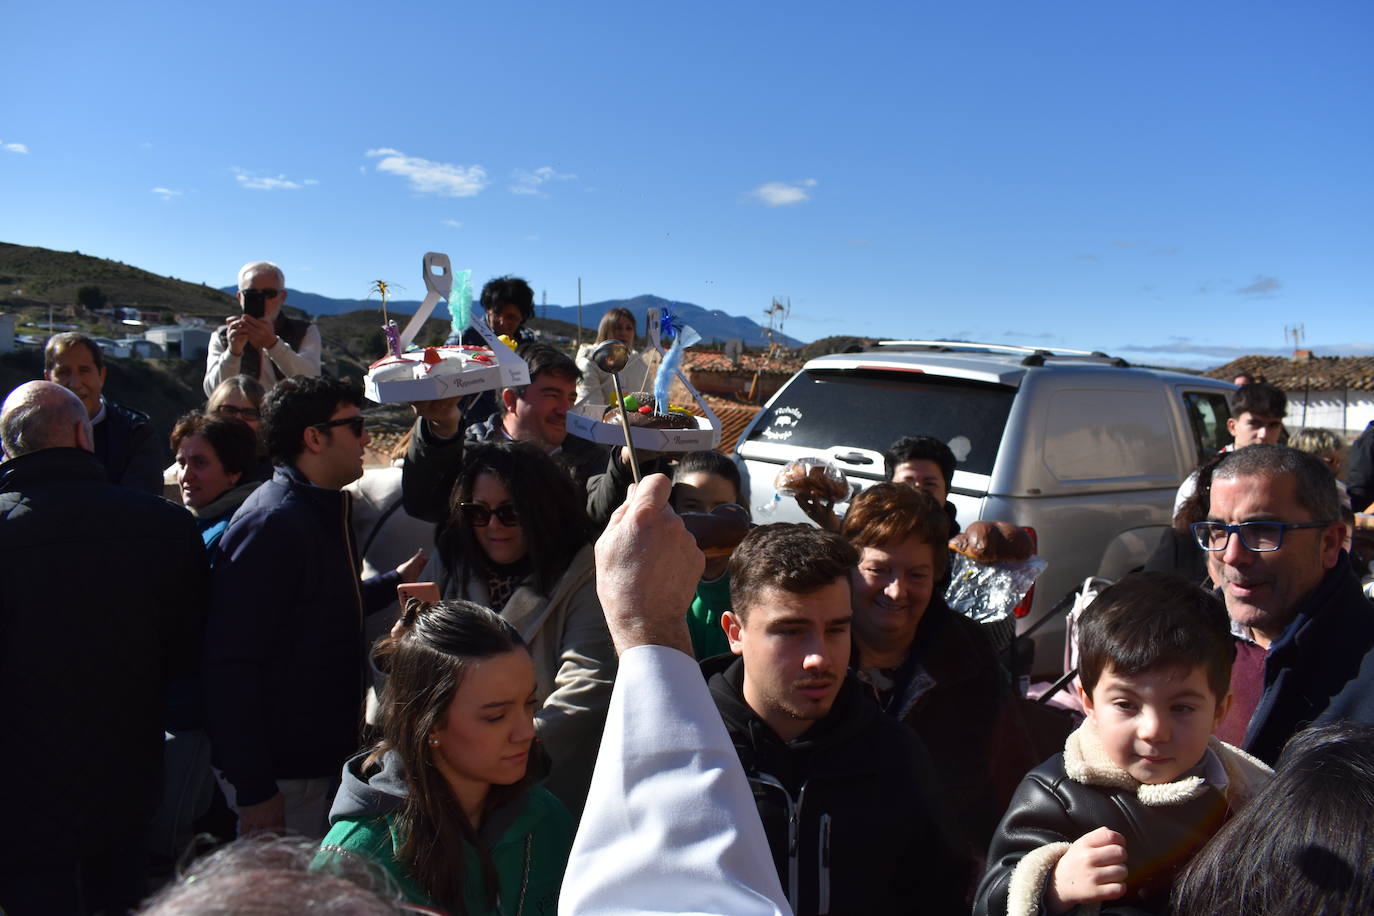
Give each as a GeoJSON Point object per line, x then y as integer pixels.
{"type": "Point", "coordinates": [291, 363]}
{"type": "Point", "coordinates": [220, 364]}
{"type": "Point", "coordinates": [670, 824]}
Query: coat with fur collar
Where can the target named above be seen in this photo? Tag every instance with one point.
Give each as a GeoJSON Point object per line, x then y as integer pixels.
{"type": "Point", "coordinates": [1076, 792]}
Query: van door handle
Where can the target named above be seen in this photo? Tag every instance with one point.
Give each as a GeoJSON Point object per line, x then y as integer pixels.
{"type": "Point", "coordinates": [854, 458]}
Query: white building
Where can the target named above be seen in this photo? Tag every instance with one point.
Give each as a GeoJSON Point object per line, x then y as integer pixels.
{"type": "Point", "coordinates": [181, 341]}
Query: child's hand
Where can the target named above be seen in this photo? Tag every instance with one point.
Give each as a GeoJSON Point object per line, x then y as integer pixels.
{"type": "Point", "coordinates": [1093, 868]}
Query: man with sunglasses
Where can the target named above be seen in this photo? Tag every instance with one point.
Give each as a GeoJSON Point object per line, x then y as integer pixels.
{"type": "Point", "coordinates": [1303, 627]}
{"type": "Point", "coordinates": [262, 342]}
{"type": "Point", "coordinates": [284, 647]}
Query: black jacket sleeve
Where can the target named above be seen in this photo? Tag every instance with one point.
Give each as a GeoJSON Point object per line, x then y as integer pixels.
{"type": "Point", "coordinates": [427, 476]}
{"type": "Point", "coordinates": [1037, 817]}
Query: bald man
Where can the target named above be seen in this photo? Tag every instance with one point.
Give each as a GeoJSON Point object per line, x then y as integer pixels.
{"type": "Point", "coordinates": [103, 591]}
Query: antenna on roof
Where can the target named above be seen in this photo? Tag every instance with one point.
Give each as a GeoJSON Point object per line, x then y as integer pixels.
{"type": "Point", "coordinates": [776, 313]}
{"type": "Point", "coordinates": [1295, 332]}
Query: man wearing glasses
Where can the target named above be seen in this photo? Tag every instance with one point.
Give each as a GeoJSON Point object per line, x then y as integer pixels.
{"type": "Point", "coordinates": [262, 342]}
{"type": "Point", "coordinates": [1303, 627]}
{"type": "Point", "coordinates": [284, 649]}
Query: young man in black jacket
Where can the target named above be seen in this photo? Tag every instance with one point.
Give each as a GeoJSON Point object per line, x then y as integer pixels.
{"type": "Point", "coordinates": [840, 787]}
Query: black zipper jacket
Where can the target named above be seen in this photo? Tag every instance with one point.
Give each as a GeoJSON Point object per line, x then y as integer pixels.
{"type": "Point", "coordinates": [845, 806]}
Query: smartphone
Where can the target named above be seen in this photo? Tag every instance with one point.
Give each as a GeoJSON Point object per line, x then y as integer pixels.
{"type": "Point", "coordinates": [427, 592]}
{"type": "Point", "coordinates": [254, 302]}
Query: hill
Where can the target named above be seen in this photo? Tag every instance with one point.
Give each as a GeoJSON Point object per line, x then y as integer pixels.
{"type": "Point", "coordinates": [41, 276]}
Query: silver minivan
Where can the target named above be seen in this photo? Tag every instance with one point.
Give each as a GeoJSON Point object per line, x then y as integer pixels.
{"type": "Point", "coordinates": [1083, 448]}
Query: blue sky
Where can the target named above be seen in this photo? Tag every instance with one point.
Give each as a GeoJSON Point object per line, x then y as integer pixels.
{"type": "Point", "coordinates": [1176, 182]}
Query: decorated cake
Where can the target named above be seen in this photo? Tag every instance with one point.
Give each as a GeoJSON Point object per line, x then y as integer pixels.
{"type": "Point", "coordinates": [640, 409]}
{"type": "Point", "coordinates": [431, 362]}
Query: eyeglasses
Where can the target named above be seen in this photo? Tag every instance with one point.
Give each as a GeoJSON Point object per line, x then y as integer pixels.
{"type": "Point", "coordinates": [356, 424]}
{"type": "Point", "coordinates": [480, 515]}
{"type": "Point", "coordinates": [242, 413]}
{"type": "Point", "coordinates": [1259, 537]}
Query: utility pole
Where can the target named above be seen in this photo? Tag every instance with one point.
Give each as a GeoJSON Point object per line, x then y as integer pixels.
{"type": "Point", "coordinates": [544, 303]}
{"type": "Point", "coordinates": [579, 312]}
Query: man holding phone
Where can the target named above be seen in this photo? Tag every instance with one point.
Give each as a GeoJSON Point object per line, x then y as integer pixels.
{"type": "Point", "coordinates": [263, 342]}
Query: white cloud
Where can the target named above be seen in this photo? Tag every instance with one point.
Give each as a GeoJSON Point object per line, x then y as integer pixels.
{"type": "Point", "coordinates": [310, 181]}
{"type": "Point", "coordinates": [453, 223]}
{"type": "Point", "coordinates": [165, 193]}
{"type": "Point", "coordinates": [1262, 286]}
{"type": "Point", "coordinates": [531, 182]}
{"type": "Point", "coordinates": [428, 177]}
{"type": "Point", "coordinates": [15, 148]}
{"type": "Point", "coordinates": [782, 194]}
{"type": "Point", "coordinates": [248, 179]}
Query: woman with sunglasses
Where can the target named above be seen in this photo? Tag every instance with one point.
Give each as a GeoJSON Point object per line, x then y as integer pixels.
{"type": "Point", "coordinates": [240, 398]}
{"type": "Point", "coordinates": [518, 541]}
{"type": "Point", "coordinates": [443, 801]}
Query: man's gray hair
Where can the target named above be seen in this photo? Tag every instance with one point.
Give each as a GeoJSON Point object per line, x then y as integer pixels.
{"type": "Point", "coordinates": [39, 415]}
{"type": "Point", "coordinates": [250, 270]}
{"type": "Point", "coordinates": [1315, 483]}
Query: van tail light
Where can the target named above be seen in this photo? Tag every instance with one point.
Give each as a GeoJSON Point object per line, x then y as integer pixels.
{"type": "Point", "coordinates": [1022, 609]}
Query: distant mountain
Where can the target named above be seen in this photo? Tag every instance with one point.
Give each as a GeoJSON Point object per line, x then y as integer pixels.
{"type": "Point", "coordinates": [712, 325]}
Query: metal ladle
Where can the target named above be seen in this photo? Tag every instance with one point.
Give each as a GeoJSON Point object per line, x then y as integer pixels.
{"type": "Point", "coordinates": [612, 356]}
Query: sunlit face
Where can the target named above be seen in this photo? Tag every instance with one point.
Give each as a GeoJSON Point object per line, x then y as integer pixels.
{"type": "Point", "coordinates": [796, 651]}
{"type": "Point", "coordinates": [1262, 590]}
{"type": "Point", "coordinates": [75, 370]}
{"type": "Point", "coordinates": [540, 415]}
{"type": "Point", "coordinates": [486, 733]}
{"type": "Point", "coordinates": [925, 474]}
{"type": "Point", "coordinates": [892, 588]}
{"type": "Point", "coordinates": [200, 474]}
{"type": "Point", "coordinates": [344, 452]}
{"type": "Point", "coordinates": [501, 544]}
{"type": "Point", "coordinates": [237, 407]}
{"type": "Point", "coordinates": [624, 331]}
{"type": "Point", "coordinates": [702, 491]}
{"type": "Point", "coordinates": [505, 319]}
{"type": "Point", "coordinates": [271, 306]}
{"type": "Point", "coordinates": [1155, 725]}
{"type": "Point", "coordinates": [1255, 429]}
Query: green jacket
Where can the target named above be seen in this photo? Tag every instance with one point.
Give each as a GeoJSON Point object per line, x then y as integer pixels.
{"type": "Point", "coordinates": [528, 841]}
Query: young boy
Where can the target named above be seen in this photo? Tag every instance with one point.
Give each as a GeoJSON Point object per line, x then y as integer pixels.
{"type": "Point", "coordinates": [1142, 784]}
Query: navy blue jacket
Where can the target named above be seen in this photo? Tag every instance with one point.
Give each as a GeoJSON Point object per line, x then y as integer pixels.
{"type": "Point", "coordinates": [284, 650]}
{"type": "Point", "coordinates": [1319, 667]}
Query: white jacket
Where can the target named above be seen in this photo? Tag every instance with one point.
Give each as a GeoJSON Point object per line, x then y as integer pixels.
{"type": "Point", "coordinates": [670, 825]}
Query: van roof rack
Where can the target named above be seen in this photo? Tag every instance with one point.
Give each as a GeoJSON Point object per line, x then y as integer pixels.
{"type": "Point", "coordinates": [1034, 356]}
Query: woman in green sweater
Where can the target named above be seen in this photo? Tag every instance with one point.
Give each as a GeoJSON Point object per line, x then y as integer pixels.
{"type": "Point", "coordinates": [703, 481]}
{"type": "Point", "coordinates": [442, 802]}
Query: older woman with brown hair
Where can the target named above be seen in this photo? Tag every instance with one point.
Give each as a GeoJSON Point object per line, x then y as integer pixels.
{"type": "Point", "coordinates": [929, 666]}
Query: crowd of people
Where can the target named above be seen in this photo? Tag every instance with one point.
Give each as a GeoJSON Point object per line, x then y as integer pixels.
{"type": "Point", "coordinates": [575, 705]}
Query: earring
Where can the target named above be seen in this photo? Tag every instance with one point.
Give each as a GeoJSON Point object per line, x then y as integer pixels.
{"type": "Point", "coordinates": [433, 741]}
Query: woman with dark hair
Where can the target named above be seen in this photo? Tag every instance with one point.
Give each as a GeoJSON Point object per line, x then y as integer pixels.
{"type": "Point", "coordinates": [442, 801]}
{"type": "Point", "coordinates": [518, 541]}
{"type": "Point", "coordinates": [214, 461]}
{"type": "Point", "coordinates": [1303, 846]}
{"type": "Point", "coordinates": [930, 666]}
{"type": "Point", "coordinates": [702, 481]}
{"type": "Point", "coordinates": [595, 386]}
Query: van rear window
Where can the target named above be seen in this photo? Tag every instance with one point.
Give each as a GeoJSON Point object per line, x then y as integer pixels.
{"type": "Point", "coordinates": [871, 409]}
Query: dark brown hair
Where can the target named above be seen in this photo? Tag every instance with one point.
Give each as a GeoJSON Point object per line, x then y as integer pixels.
{"type": "Point", "coordinates": [234, 441]}
{"type": "Point", "coordinates": [796, 558]}
{"type": "Point", "coordinates": [1149, 621]}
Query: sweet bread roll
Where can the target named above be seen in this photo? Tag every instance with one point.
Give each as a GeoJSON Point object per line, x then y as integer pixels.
{"type": "Point", "coordinates": [818, 481]}
{"type": "Point", "coordinates": [992, 542]}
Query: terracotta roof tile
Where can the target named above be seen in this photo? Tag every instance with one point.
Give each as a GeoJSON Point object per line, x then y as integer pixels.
{"type": "Point", "coordinates": [1319, 373]}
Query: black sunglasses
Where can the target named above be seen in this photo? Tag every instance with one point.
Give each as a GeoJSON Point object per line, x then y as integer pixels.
{"type": "Point", "coordinates": [268, 293]}
{"type": "Point", "coordinates": [354, 423]}
{"type": "Point", "coordinates": [246, 413]}
{"type": "Point", "coordinates": [480, 515]}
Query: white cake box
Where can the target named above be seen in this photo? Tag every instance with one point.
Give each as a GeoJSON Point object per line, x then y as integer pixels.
{"type": "Point", "coordinates": [507, 371]}
{"type": "Point", "coordinates": [585, 422]}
